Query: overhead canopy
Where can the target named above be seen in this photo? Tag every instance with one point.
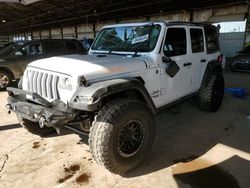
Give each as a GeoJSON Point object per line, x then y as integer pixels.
{"type": "Point", "coordinates": [17, 17]}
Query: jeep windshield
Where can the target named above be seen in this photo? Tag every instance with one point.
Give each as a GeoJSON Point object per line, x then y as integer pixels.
{"type": "Point", "coordinates": [127, 38]}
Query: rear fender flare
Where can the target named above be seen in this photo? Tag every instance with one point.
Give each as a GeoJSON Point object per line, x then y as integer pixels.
{"type": "Point", "coordinates": [213, 67]}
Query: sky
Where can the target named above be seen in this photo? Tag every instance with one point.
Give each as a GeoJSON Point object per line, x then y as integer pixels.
{"type": "Point", "coordinates": [227, 27]}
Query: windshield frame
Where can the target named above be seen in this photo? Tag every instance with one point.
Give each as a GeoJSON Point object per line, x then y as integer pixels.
{"type": "Point", "coordinates": [115, 51]}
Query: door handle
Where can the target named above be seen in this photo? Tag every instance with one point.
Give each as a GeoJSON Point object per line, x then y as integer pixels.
{"type": "Point", "coordinates": [203, 60]}
{"type": "Point", "coordinates": [187, 64]}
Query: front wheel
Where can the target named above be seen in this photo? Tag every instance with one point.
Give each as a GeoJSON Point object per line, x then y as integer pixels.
{"type": "Point", "coordinates": [5, 80]}
{"type": "Point", "coordinates": [122, 134]}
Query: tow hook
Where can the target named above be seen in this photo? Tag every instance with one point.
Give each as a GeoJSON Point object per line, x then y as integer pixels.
{"type": "Point", "coordinates": [43, 122]}
{"type": "Point", "coordinates": [9, 108]}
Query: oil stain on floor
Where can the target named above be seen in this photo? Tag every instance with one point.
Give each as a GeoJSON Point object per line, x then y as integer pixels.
{"type": "Point", "coordinates": [36, 145]}
{"type": "Point", "coordinates": [83, 178]}
{"type": "Point", "coordinates": [71, 171]}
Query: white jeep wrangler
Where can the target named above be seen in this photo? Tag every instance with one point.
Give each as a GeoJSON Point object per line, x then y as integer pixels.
{"type": "Point", "coordinates": [132, 71]}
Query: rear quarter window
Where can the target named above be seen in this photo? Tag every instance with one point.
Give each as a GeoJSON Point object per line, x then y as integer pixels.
{"type": "Point", "coordinates": [211, 39]}
{"type": "Point", "coordinates": [197, 40]}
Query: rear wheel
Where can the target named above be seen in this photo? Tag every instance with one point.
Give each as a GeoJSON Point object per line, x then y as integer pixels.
{"type": "Point", "coordinates": [122, 134]}
{"type": "Point", "coordinates": [211, 94]}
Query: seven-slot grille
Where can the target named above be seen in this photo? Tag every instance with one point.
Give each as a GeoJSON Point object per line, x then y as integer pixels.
{"type": "Point", "coordinates": [44, 84]}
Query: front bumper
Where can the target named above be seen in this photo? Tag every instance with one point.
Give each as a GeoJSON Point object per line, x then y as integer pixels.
{"type": "Point", "coordinates": [51, 114]}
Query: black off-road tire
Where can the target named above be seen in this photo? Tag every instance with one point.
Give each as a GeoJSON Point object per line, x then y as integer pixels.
{"type": "Point", "coordinates": [34, 128]}
{"type": "Point", "coordinates": [211, 93]}
{"type": "Point", "coordinates": [9, 78]}
{"type": "Point", "coordinates": [107, 130]}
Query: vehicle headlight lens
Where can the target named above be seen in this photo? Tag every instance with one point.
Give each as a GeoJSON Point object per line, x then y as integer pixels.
{"type": "Point", "coordinates": [65, 83]}
{"type": "Point", "coordinates": [240, 61]}
{"type": "Point", "coordinates": [68, 83]}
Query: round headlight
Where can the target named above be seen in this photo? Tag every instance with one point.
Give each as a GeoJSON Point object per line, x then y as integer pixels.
{"type": "Point", "coordinates": [68, 83]}
{"type": "Point", "coordinates": [65, 83]}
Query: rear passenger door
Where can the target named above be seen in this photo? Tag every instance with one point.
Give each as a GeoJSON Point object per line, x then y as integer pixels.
{"type": "Point", "coordinates": [197, 55]}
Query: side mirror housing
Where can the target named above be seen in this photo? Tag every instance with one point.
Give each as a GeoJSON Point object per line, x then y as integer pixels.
{"type": "Point", "coordinates": [166, 59]}
{"type": "Point", "coordinates": [172, 68]}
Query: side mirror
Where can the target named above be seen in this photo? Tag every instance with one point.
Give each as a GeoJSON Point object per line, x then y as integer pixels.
{"type": "Point", "coordinates": [166, 59]}
{"type": "Point", "coordinates": [18, 53]}
{"type": "Point", "coordinates": [172, 67]}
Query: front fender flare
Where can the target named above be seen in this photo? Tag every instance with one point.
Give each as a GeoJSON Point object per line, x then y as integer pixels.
{"type": "Point", "coordinates": [96, 92]}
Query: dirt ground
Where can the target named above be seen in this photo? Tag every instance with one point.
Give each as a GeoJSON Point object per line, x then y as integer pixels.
{"type": "Point", "coordinates": [192, 149]}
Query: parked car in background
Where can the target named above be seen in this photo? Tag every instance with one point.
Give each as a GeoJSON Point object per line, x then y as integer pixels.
{"type": "Point", "coordinates": [1, 47]}
{"type": "Point", "coordinates": [241, 62]}
{"type": "Point", "coordinates": [15, 57]}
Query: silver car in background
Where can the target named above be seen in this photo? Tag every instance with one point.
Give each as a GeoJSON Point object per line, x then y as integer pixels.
{"type": "Point", "coordinates": [241, 62]}
{"type": "Point", "coordinates": [16, 56]}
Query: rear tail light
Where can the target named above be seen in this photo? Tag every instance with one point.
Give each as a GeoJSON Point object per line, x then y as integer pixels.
{"type": "Point", "coordinates": [220, 58]}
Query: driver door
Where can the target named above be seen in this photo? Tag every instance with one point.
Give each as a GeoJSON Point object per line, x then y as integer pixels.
{"type": "Point", "coordinates": [179, 83]}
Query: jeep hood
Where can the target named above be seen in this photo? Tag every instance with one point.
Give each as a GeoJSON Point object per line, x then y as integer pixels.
{"type": "Point", "coordinates": [91, 66]}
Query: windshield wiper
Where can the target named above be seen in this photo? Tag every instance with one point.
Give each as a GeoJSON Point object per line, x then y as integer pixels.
{"type": "Point", "coordinates": [149, 36]}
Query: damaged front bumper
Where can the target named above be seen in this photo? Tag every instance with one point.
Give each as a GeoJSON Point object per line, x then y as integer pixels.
{"type": "Point", "coordinates": [50, 114]}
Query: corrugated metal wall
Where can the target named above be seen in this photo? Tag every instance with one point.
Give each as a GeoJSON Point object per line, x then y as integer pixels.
{"type": "Point", "coordinates": [231, 43]}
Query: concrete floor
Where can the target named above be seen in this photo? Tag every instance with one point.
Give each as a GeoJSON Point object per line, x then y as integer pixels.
{"type": "Point", "coordinates": [192, 149]}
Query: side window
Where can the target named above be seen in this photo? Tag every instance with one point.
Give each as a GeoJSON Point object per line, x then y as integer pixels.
{"type": "Point", "coordinates": [52, 47]}
{"type": "Point", "coordinates": [176, 42]}
{"type": "Point", "coordinates": [30, 50]}
{"type": "Point", "coordinates": [197, 40]}
{"type": "Point", "coordinates": [22, 51]}
{"type": "Point", "coordinates": [71, 46]}
{"type": "Point", "coordinates": [211, 39]}
{"type": "Point", "coordinates": [34, 49]}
